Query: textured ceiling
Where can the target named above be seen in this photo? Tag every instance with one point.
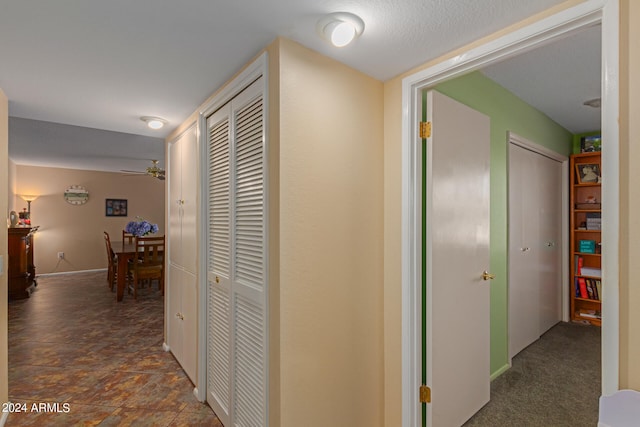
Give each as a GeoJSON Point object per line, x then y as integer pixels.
{"type": "Point", "coordinates": [103, 64]}
{"type": "Point", "coordinates": [558, 78]}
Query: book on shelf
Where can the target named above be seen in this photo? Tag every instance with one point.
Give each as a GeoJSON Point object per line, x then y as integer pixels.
{"type": "Point", "coordinates": [591, 272]}
{"type": "Point", "coordinates": [596, 295]}
{"type": "Point", "coordinates": [582, 286]}
{"type": "Point", "coordinates": [590, 314]}
{"type": "Point", "coordinates": [589, 289]}
{"type": "Point", "coordinates": [594, 221]}
{"type": "Point", "coordinates": [587, 246]}
{"type": "Point", "coordinates": [599, 289]}
{"type": "Point", "coordinates": [578, 265]}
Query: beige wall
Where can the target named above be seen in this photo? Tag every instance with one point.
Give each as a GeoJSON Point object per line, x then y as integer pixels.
{"type": "Point", "coordinates": [4, 208]}
{"type": "Point", "coordinates": [325, 240]}
{"type": "Point", "coordinates": [77, 230]}
{"type": "Point", "coordinates": [331, 247]}
{"type": "Point", "coordinates": [12, 185]}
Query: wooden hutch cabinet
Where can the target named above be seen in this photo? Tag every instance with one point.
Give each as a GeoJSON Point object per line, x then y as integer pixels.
{"type": "Point", "coordinates": [22, 272]}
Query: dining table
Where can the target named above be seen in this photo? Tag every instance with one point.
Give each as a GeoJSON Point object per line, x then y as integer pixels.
{"type": "Point", "coordinates": [124, 251]}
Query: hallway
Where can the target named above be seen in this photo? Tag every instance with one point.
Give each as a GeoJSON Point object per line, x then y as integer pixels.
{"type": "Point", "coordinates": [72, 343]}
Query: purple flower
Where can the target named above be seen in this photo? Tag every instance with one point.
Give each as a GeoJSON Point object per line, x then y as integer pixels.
{"type": "Point", "coordinates": [141, 227]}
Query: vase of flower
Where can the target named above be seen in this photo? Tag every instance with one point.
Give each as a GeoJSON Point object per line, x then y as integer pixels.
{"type": "Point", "coordinates": [141, 227]}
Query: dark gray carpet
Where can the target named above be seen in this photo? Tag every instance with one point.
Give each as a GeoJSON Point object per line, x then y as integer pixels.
{"type": "Point", "coordinates": [555, 382]}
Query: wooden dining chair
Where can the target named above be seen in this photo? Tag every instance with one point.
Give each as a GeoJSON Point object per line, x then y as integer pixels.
{"type": "Point", "coordinates": [112, 270]}
{"type": "Point", "coordinates": [149, 265]}
{"type": "Point", "coordinates": [127, 238]}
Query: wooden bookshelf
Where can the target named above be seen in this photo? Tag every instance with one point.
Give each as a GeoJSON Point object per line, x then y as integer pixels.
{"type": "Point", "coordinates": [586, 264]}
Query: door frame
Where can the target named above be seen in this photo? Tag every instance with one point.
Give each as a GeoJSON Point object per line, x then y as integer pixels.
{"type": "Point", "coordinates": [515, 139]}
{"type": "Point", "coordinates": [562, 24]}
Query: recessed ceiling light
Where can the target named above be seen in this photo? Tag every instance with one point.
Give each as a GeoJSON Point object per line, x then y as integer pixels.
{"type": "Point", "coordinates": [153, 122]}
{"type": "Point", "coordinates": [340, 28]}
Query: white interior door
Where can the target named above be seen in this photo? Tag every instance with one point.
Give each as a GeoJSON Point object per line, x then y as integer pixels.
{"type": "Point", "coordinates": [457, 230]}
{"type": "Point", "coordinates": [535, 245]}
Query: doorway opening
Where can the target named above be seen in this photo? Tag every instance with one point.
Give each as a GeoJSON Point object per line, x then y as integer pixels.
{"type": "Point", "coordinates": [548, 29]}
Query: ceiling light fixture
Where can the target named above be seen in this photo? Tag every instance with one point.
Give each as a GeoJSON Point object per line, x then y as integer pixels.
{"type": "Point", "coordinates": [340, 28]}
{"type": "Point", "coordinates": [595, 103]}
{"type": "Point", "coordinates": [153, 122]}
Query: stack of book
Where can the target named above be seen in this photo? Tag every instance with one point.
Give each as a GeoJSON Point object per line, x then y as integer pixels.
{"type": "Point", "coordinates": [588, 288]}
{"type": "Point", "coordinates": [594, 221]}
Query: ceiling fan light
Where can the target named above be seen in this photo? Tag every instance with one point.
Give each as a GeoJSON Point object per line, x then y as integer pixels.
{"type": "Point", "coordinates": [153, 122]}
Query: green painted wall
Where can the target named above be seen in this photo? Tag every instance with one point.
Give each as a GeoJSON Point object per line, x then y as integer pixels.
{"type": "Point", "coordinates": [508, 113]}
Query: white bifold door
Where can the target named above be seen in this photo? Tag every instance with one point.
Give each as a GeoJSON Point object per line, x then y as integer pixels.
{"type": "Point", "coordinates": [535, 245]}
{"type": "Point", "coordinates": [236, 261]}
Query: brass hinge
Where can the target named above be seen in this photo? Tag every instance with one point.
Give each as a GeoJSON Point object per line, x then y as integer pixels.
{"type": "Point", "coordinates": [425, 130]}
{"type": "Point", "coordinates": [425, 394]}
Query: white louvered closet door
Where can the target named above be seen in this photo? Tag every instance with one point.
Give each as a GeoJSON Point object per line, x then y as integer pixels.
{"type": "Point", "coordinates": [237, 276]}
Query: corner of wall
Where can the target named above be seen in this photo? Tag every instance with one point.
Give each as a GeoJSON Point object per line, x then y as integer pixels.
{"type": "Point", "coordinates": [273, 141]}
{"type": "Point", "coordinates": [4, 203]}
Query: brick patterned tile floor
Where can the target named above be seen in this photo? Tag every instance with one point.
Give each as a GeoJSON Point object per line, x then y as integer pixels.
{"type": "Point", "coordinates": [95, 361]}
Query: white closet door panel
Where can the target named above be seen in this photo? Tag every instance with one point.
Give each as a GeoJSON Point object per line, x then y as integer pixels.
{"type": "Point", "coordinates": [175, 210]}
{"type": "Point", "coordinates": [249, 363]}
{"type": "Point", "coordinates": [524, 286]}
{"type": "Point", "coordinates": [219, 266]}
{"type": "Point", "coordinates": [174, 302]}
{"type": "Point", "coordinates": [218, 352]}
{"type": "Point", "coordinates": [189, 161]}
{"type": "Point", "coordinates": [535, 242]}
{"type": "Point", "coordinates": [249, 194]}
{"type": "Point", "coordinates": [249, 265]}
{"type": "Point", "coordinates": [190, 325]}
{"type": "Point", "coordinates": [236, 264]}
{"type": "Point", "coordinates": [219, 130]}
{"type": "Point", "coordinates": [550, 232]}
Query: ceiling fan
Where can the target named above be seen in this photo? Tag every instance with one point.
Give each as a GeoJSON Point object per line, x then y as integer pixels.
{"type": "Point", "coordinates": [154, 171]}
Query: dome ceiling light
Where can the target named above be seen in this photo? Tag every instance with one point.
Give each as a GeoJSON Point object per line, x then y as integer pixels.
{"type": "Point", "coordinates": [340, 28]}
{"type": "Point", "coordinates": [153, 122]}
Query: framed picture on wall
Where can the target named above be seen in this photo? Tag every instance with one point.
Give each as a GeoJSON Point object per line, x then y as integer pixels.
{"type": "Point", "coordinates": [116, 207]}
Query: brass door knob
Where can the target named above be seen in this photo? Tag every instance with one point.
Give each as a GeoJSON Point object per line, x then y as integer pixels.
{"type": "Point", "coordinates": [487, 276]}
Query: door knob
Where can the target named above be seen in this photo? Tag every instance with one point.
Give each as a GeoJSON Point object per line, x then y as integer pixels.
{"type": "Point", "coordinates": [487, 276]}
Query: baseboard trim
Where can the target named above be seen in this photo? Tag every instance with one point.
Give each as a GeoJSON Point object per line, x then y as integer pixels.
{"type": "Point", "coordinates": [196, 393]}
{"type": "Point", "coordinates": [500, 371]}
{"type": "Point", "coordinates": [3, 418]}
{"type": "Point", "coordinates": [71, 272]}
{"type": "Point", "coordinates": [166, 347]}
